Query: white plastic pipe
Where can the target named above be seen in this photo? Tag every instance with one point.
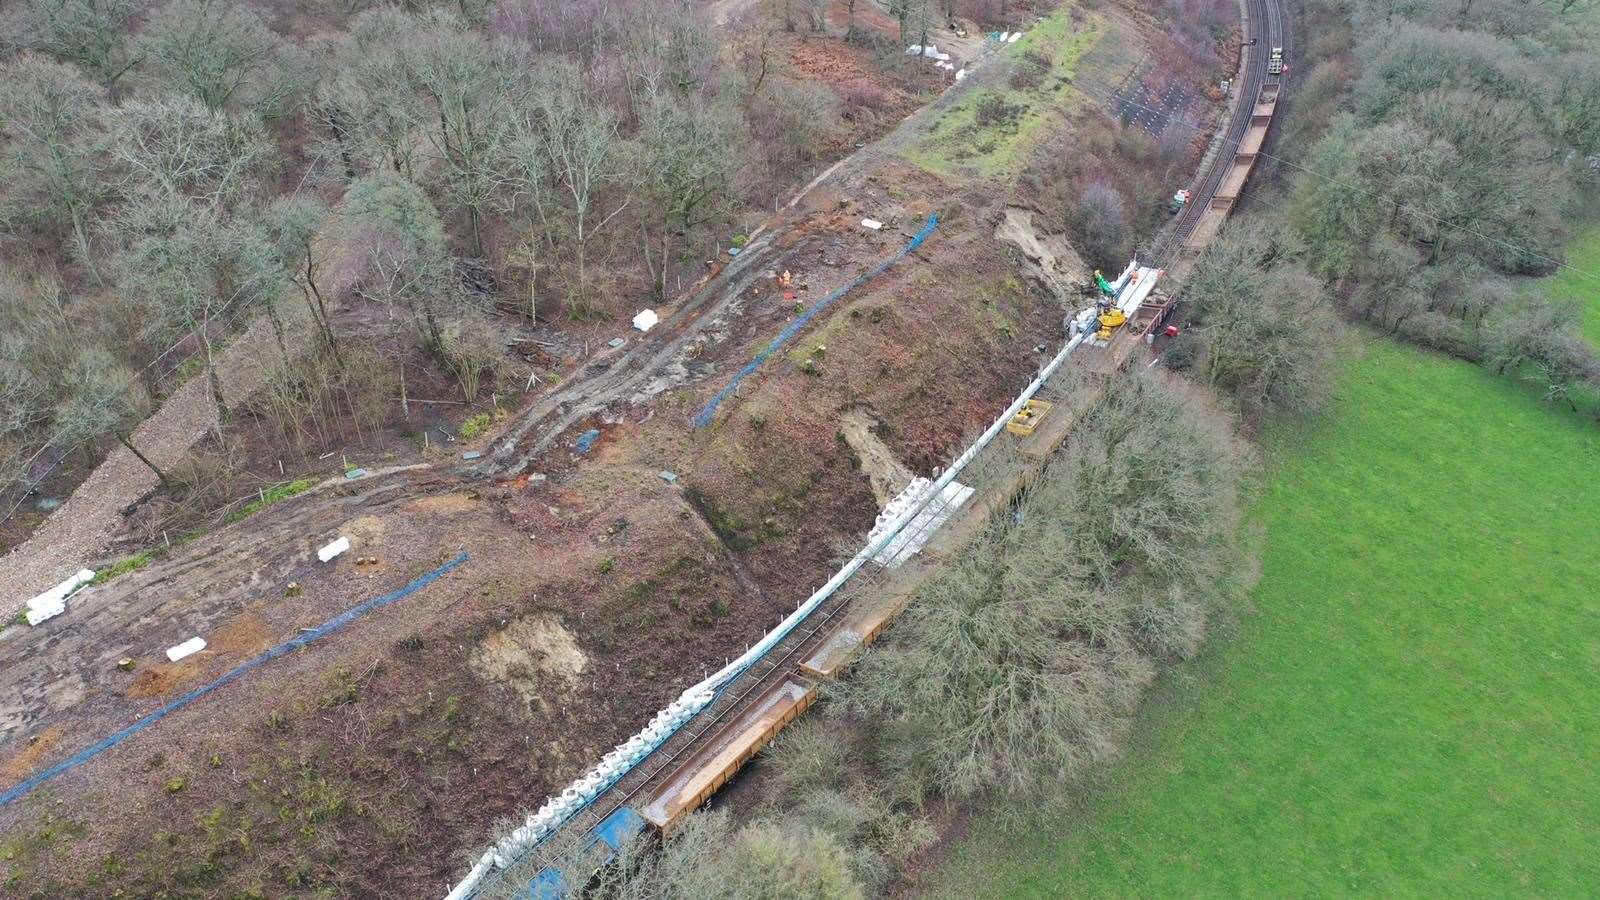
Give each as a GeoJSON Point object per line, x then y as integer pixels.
{"type": "Point", "coordinates": [187, 648]}
{"type": "Point", "coordinates": [53, 602]}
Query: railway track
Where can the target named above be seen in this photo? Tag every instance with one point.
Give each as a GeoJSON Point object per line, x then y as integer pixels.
{"type": "Point", "coordinates": [1267, 22]}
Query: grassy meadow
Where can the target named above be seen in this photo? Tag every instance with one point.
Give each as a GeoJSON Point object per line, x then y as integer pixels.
{"type": "Point", "coordinates": [1410, 707]}
{"type": "Point", "coordinates": [1579, 280]}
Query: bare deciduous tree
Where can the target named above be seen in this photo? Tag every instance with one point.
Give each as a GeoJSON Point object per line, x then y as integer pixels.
{"type": "Point", "coordinates": [91, 33]}
{"type": "Point", "coordinates": [394, 253]}
{"type": "Point", "coordinates": [192, 267]}
{"type": "Point", "coordinates": [175, 145]}
{"type": "Point", "coordinates": [104, 399]}
{"type": "Point", "coordinates": [1267, 328]}
{"type": "Point", "coordinates": [583, 147]}
{"type": "Point", "coordinates": [686, 162]}
{"type": "Point", "coordinates": [707, 858]}
{"type": "Point", "coordinates": [473, 89]}
{"type": "Point", "coordinates": [1019, 663]}
{"type": "Point", "coordinates": [218, 52]}
{"type": "Point", "coordinates": [366, 110]}
{"type": "Point", "coordinates": [292, 224]}
{"type": "Point", "coordinates": [51, 122]}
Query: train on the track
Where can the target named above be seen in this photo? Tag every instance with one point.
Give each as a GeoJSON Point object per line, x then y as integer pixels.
{"type": "Point", "coordinates": [1245, 155]}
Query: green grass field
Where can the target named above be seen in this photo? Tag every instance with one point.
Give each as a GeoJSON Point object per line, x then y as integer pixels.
{"type": "Point", "coordinates": [1412, 706]}
{"type": "Point", "coordinates": [1580, 280]}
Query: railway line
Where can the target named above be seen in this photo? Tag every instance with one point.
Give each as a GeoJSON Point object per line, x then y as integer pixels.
{"type": "Point", "coordinates": [681, 772]}
{"type": "Point", "coordinates": [1246, 132]}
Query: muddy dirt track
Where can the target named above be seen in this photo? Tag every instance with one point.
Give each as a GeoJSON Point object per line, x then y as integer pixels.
{"type": "Point", "coordinates": [460, 703]}
{"type": "Point", "coordinates": [596, 588]}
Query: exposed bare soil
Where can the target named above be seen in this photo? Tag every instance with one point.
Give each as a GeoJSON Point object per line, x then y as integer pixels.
{"type": "Point", "coordinates": [371, 762]}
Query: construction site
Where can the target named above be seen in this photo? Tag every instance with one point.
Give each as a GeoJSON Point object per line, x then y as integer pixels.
{"type": "Point", "coordinates": [438, 659]}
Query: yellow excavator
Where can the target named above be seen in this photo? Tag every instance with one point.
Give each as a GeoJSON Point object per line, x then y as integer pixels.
{"type": "Point", "coordinates": [1110, 318]}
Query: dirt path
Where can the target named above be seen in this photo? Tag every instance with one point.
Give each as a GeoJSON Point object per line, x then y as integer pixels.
{"type": "Point", "coordinates": [80, 531]}
{"type": "Point", "coordinates": [655, 362]}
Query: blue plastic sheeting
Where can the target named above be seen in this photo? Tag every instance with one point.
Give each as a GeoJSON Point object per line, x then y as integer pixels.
{"type": "Point", "coordinates": [704, 417]}
{"type": "Point", "coordinates": [287, 647]}
{"type": "Point", "coordinates": [547, 885]}
{"type": "Point", "coordinates": [614, 831]}
{"type": "Point", "coordinates": [587, 439]}
{"type": "Point", "coordinates": [619, 827]}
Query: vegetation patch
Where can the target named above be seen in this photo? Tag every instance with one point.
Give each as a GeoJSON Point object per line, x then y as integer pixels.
{"type": "Point", "coordinates": [123, 566]}
{"type": "Point", "coordinates": [475, 426]}
{"type": "Point", "coordinates": [1579, 282]}
{"type": "Point", "coordinates": [992, 131]}
{"type": "Point", "coordinates": [274, 494]}
{"type": "Point", "coordinates": [1407, 712]}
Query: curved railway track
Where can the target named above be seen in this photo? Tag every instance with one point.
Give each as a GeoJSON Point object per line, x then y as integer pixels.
{"type": "Point", "coordinates": [1267, 22]}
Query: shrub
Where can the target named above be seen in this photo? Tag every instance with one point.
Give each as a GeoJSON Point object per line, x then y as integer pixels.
{"type": "Point", "coordinates": [475, 425]}
{"type": "Point", "coordinates": [306, 403]}
{"type": "Point", "coordinates": [1030, 70]}
{"type": "Point", "coordinates": [472, 349]}
{"type": "Point", "coordinates": [992, 111]}
{"type": "Point", "coordinates": [1181, 352]}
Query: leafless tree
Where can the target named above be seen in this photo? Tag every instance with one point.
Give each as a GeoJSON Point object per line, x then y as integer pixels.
{"type": "Point", "coordinates": [583, 147]}
{"type": "Point", "coordinates": [175, 145]}
{"type": "Point", "coordinates": [366, 110]}
{"type": "Point", "coordinates": [1267, 328]}
{"type": "Point", "coordinates": [472, 89]}
{"type": "Point", "coordinates": [707, 858]}
{"type": "Point", "coordinates": [1018, 663]}
{"type": "Point", "coordinates": [292, 223]}
{"type": "Point", "coordinates": [104, 399]}
{"type": "Point", "coordinates": [91, 33]}
{"type": "Point", "coordinates": [215, 51]}
{"type": "Point", "coordinates": [194, 269]}
{"type": "Point", "coordinates": [686, 162]}
{"type": "Point", "coordinates": [52, 124]}
{"type": "Point", "coordinates": [394, 253]}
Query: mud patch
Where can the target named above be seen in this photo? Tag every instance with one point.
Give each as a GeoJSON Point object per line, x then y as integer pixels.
{"type": "Point", "coordinates": [532, 656]}
{"type": "Point", "coordinates": [26, 761]}
{"type": "Point", "coordinates": [1051, 261]}
{"type": "Point", "coordinates": [889, 477]}
{"type": "Point", "coordinates": [164, 679]}
{"type": "Point", "coordinates": [365, 532]}
{"type": "Point", "coordinates": [444, 504]}
{"type": "Point", "coordinates": [242, 636]}
{"type": "Point", "coordinates": [245, 635]}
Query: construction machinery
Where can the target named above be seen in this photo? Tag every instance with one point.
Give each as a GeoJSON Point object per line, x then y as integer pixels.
{"type": "Point", "coordinates": [1105, 286]}
{"type": "Point", "coordinates": [1110, 319]}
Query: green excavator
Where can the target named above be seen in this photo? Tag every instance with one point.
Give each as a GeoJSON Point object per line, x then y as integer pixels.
{"type": "Point", "coordinates": [1110, 318]}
